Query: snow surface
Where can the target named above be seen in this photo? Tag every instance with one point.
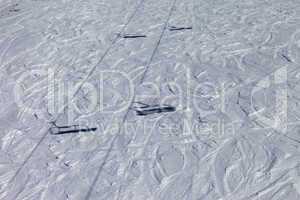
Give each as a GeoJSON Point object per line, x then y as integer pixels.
{"type": "Point", "coordinates": [175, 99]}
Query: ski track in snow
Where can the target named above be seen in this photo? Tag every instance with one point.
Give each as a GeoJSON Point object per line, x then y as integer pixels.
{"type": "Point", "coordinates": [228, 70]}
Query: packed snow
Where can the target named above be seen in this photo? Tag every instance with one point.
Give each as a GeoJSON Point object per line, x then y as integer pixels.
{"type": "Point", "coordinates": [149, 100]}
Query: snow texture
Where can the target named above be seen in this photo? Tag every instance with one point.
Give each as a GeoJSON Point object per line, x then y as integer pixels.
{"type": "Point", "coordinates": [149, 100]}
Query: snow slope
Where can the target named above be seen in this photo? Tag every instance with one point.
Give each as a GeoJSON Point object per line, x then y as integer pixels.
{"type": "Point", "coordinates": [159, 100]}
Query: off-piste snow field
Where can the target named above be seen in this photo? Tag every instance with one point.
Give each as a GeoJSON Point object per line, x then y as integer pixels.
{"type": "Point", "coordinates": [149, 100]}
